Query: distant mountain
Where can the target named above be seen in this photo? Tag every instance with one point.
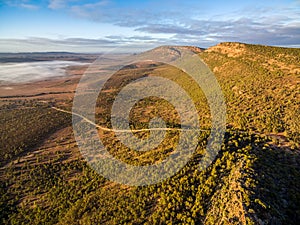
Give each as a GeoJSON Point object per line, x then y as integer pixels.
{"type": "Point", "coordinates": [46, 56]}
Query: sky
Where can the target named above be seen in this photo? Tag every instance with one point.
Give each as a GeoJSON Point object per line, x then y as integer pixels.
{"type": "Point", "coordinates": [135, 25]}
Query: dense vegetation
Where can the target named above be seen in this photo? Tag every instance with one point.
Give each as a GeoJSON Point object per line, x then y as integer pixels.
{"type": "Point", "coordinates": [24, 126]}
{"type": "Point", "coordinates": [247, 182]}
{"type": "Point", "coordinates": [255, 179]}
{"type": "Point", "coordinates": [261, 85]}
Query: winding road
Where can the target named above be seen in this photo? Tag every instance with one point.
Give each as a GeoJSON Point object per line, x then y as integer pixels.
{"type": "Point", "coordinates": [123, 131]}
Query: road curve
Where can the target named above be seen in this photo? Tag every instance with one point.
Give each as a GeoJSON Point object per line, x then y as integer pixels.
{"type": "Point", "coordinates": [122, 131]}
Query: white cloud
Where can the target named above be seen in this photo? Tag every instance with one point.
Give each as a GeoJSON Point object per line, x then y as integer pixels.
{"type": "Point", "coordinates": [29, 6]}
{"type": "Point", "coordinates": [21, 4]}
{"type": "Point", "coordinates": [57, 4]}
{"type": "Point", "coordinates": [120, 43]}
{"type": "Point", "coordinates": [97, 4]}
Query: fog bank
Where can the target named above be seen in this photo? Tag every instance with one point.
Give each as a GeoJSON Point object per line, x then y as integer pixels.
{"type": "Point", "coordinates": [32, 71]}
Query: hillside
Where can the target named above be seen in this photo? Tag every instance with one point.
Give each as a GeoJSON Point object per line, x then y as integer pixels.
{"type": "Point", "coordinates": [255, 178]}
{"type": "Point", "coordinates": [261, 85]}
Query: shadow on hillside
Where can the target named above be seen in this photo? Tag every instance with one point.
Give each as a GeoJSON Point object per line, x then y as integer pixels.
{"type": "Point", "coordinates": [276, 197]}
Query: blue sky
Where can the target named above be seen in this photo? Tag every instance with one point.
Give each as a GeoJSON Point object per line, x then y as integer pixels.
{"type": "Point", "coordinates": [100, 25]}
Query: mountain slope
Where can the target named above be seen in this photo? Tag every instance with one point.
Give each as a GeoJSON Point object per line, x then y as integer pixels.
{"type": "Point", "coordinates": [261, 84]}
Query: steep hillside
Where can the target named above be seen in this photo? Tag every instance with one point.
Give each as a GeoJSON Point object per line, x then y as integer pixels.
{"type": "Point", "coordinates": [262, 86]}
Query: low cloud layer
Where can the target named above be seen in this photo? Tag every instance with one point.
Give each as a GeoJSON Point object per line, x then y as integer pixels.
{"type": "Point", "coordinates": [109, 43]}
{"type": "Point", "coordinates": [24, 72]}
{"type": "Point", "coordinates": [242, 30]}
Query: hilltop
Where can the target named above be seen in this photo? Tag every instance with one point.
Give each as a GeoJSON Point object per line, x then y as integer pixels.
{"type": "Point", "coordinates": [272, 58]}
